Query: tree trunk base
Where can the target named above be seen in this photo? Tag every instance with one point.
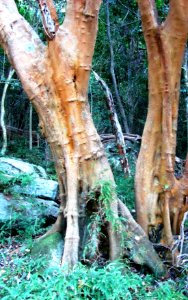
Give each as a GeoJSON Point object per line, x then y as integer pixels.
{"type": "Point", "coordinates": [94, 244]}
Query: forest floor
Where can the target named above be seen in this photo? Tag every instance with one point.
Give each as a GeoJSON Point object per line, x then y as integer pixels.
{"type": "Point", "coordinates": [19, 272]}
{"type": "Point", "coordinates": [22, 277]}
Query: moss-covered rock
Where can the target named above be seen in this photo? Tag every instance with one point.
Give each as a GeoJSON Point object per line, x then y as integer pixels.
{"type": "Point", "coordinates": [49, 247]}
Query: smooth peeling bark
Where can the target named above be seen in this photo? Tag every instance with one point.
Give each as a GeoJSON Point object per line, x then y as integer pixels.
{"type": "Point", "coordinates": [159, 195]}
{"type": "Point", "coordinates": [82, 146]}
{"type": "Point", "coordinates": [55, 78]}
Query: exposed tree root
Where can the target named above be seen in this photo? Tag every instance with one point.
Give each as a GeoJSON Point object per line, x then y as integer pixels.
{"type": "Point", "coordinates": [136, 241]}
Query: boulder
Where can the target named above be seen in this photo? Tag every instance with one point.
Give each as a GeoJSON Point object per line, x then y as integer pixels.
{"type": "Point", "coordinates": [13, 167]}
{"type": "Point", "coordinates": [24, 208]}
{"type": "Point", "coordinates": [38, 187]}
{"type": "Point", "coordinates": [49, 248]}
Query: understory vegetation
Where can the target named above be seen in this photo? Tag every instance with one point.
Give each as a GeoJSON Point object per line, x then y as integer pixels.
{"type": "Point", "coordinates": [22, 277]}
{"type": "Point", "coordinates": [25, 277]}
{"type": "Point", "coordinates": [120, 53]}
{"type": "Point", "coordinates": [24, 280]}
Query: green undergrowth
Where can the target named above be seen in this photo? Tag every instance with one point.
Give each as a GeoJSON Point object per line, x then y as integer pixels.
{"type": "Point", "coordinates": [7, 181]}
{"type": "Point", "coordinates": [124, 185]}
{"type": "Point", "coordinates": [115, 281]}
{"type": "Point", "coordinates": [23, 276]}
{"type": "Point", "coordinates": [27, 229]}
{"type": "Point", "coordinates": [19, 149]}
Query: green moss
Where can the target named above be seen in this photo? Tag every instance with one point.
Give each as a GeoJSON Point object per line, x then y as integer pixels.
{"type": "Point", "coordinates": [49, 247]}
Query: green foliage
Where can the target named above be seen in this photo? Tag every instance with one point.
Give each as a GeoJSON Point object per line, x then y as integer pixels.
{"type": "Point", "coordinates": [94, 230]}
{"type": "Point", "coordinates": [106, 195]}
{"type": "Point", "coordinates": [19, 149]}
{"type": "Point", "coordinates": [7, 181]}
{"type": "Point", "coordinates": [124, 185]}
{"type": "Point", "coordinates": [27, 229]}
{"type": "Point", "coordinates": [115, 281]}
{"type": "Point", "coordinates": [106, 198]}
{"type": "Point", "coordinates": [125, 189]}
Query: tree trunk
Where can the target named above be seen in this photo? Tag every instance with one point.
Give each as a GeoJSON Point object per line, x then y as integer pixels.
{"type": "Point", "coordinates": [161, 198]}
{"type": "Point", "coordinates": [55, 77]}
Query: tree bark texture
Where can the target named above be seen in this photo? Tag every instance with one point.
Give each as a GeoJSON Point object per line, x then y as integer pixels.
{"type": "Point", "coordinates": [55, 78]}
{"type": "Point", "coordinates": [161, 198]}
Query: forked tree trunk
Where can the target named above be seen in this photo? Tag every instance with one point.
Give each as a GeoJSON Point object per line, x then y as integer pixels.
{"type": "Point", "coordinates": [55, 77]}
{"type": "Point", "coordinates": [56, 80]}
{"type": "Point", "coordinates": [161, 198]}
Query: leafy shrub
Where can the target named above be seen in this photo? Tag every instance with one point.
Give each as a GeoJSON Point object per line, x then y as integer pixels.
{"type": "Point", "coordinates": [112, 282]}
{"type": "Point", "coordinates": [26, 230]}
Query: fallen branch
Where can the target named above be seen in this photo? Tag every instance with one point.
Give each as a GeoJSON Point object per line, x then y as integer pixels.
{"type": "Point", "coordinates": [116, 125]}
{"type": "Point", "coordinates": [106, 138]}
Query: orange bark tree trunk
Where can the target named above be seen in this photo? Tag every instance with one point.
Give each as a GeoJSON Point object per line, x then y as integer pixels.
{"type": "Point", "coordinates": [55, 77]}
{"type": "Point", "coordinates": [161, 198]}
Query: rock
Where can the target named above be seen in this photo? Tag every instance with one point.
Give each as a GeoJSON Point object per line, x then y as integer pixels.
{"type": "Point", "coordinates": [39, 187]}
{"type": "Point", "coordinates": [24, 208]}
{"type": "Point", "coordinates": [23, 205]}
{"type": "Point", "coordinates": [49, 248]}
{"type": "Point", "coordinates": [5, 210]}
{"type": "Point", "coordinates": [14, 167]}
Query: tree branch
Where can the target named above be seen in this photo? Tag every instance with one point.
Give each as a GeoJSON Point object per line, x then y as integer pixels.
{"type": "Point", "coordinates": [81, 20]}
{"type": "Point", "coordinates": [49, 17]}
{"type": "Point", "coordinates": [115, 125]}
{"type": "Point", "coordinates": [148, 15]}
{"type": "Point", "coordinates": [76, 37]}
{"type": "Point", "coordinates": [24, 48]}
{"type": "Point", "coordinates": [177, 19]}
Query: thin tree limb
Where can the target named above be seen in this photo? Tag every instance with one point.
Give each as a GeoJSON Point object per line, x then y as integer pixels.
{"type": "Point", "coordinates": [4, 147]}
{"type": "Point", "coordinates": [119, 102]}
{"type": "Point", "coordinates": [182, 240]}
{"type": "Point", "coordinates": [116, 125]}
{"type": "Point", "coordinates": [14, 28]}
{"type": "Point", "coordinates": [177, 17]}
{"type": "Point", "coordinates": [148, 15]}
